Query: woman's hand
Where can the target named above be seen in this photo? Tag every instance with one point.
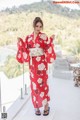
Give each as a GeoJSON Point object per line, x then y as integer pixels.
{"type": "Point", "coordinates": [18, 38]}
{"type": "Point", "coordinates": [53, 37]}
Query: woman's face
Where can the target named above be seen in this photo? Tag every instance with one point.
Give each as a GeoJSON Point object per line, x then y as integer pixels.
{"type": "Point", "coordinates": [38, 27]}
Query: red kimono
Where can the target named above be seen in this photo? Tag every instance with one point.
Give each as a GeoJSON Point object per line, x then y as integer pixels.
{"type": "Point", "coordinates": [38, 65]}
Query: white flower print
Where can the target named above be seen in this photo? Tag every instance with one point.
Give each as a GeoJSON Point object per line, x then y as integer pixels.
{"type": "Point", "coordinates": [34, 98]}
{"type": "Point", "coordinates": [43, 36]}
{"type": "Point", "coordinates": [34, 86]}
{"type": "Point", "coordinates": [41, 66]}
{"type": "Point", "coordinates": [20, 43]}
{"type": "Point", "coordinates": [38, 59]}
{"type": "Point", "coordinates": [45, 88]}
{"type": "Point", "coordinates": [48, 42]}
{"type": "Point", "coordinates": [44, 102]}
{"type": "Point", "coordinates": [19, 56]}
{"type": "Point", "coordinates": [37, 45]}
{"type": "Point", "coordinates": [40, 85]}
{"type": "Point", "coordinates": [43, 60]}
{"type": "Point", "coordinates": [37, 102]}
{"type": "Point", "coordinates": [39, 80]}
{"type": "Point", "coordinates": [24, 55]}
{"type": "Point", "coordinates": [51, 59]}
{"type": "Point", "coordinates": [42, 94]}
{"type": "Point", "coordinates": [29, 39]}
{"type": "Point", "coordinates": [50, 50]}
{"type": "Point", "coordinates": [26, 46]}
{"type": "Point", "coordinates": [41, 74]}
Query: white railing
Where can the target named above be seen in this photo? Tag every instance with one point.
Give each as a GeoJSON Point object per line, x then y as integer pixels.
{"type": "Point", "coordinates": [11, 89]}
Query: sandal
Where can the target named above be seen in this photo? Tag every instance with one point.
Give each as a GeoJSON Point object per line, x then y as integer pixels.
{"type": "Point", "coordinates": [46, 112]}
{"type": "Point", "coordinates": [37, 112]}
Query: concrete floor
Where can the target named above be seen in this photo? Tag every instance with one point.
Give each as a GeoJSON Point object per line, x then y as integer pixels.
{"type": "Point", "coordinates": [64, 104]}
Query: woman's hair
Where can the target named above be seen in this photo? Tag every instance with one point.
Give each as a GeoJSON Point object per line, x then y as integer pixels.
{"type": "Point", "coordinates": [36, 20]}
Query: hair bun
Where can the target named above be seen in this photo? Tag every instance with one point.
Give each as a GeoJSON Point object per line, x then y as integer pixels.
{"type": "Point", "coordinates": [36, 20]}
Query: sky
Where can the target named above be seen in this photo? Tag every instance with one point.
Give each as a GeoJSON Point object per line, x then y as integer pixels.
{"type": "Point", "coordinates": [9, 3]}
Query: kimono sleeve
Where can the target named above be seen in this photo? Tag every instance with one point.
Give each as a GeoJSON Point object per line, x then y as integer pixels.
{"type": "Point", "coordinates": [50, 55]}
{"type": "Point", "coordinates": [22, 53]}
{"type": "Point", "coordinates": [27, 59]}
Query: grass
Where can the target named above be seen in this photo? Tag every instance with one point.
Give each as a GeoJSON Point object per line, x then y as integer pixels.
{"type": "Point", "coordinates": [12, 68]}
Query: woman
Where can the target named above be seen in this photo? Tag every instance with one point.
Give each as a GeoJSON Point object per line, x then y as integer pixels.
{"type": "Point", "coordinates": [38, 50]}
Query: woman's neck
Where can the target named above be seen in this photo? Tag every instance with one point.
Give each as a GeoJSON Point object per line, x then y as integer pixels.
{"type": "Point", "coordinates": [35, 33]}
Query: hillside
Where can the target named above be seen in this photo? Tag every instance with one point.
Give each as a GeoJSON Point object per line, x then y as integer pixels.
{"type": "Point", "coordinates": [47, 6]}
{"type": "Point", "coordinates": [17, 22]}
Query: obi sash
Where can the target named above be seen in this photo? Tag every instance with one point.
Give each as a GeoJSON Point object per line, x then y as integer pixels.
{"type": "Point", "coordinates": [34, 52]}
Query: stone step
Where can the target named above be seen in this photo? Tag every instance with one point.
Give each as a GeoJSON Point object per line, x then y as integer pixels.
{"type": "Point", "coordinates": [61, 64]}
{"type": "Point", "coordinates": [63, 74]}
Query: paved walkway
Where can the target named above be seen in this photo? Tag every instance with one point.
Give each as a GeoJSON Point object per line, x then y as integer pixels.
{"type": "Point", "coordinates": [64, 104]}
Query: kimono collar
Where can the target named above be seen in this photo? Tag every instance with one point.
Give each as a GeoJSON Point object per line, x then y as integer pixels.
{"type": "Point", "coordinates": [33, 33]}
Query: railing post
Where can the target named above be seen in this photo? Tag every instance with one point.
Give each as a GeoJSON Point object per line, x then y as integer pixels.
{"type": "Point", "coordinates": [26, 89]}
{"type": "Point", "coordinates": [21, 93]}
{"type": "Point", "coordinates": [4, 109]}
{"type": "Point", "coordinates": [23, 78]}
{"type": "Point", "coordinates": [4, 114]}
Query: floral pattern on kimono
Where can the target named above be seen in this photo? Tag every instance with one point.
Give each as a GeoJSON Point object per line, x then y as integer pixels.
{"type": "Point", "coordinates": [38, 65]}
